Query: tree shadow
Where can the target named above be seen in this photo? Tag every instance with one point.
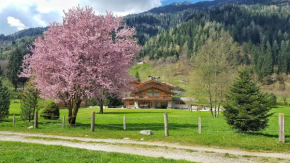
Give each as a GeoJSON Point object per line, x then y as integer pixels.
{"type": "Point", "coordinates": [138, 126]}
{"type": "Point", "coordinates": [266, 134]}
{"type": "Point", "coordinates": [11, 115]}
{"type": "Point", "coordinates": [130, 112]}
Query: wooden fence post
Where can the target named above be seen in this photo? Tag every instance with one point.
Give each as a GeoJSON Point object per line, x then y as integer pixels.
{"type": "Point", "coordinates": [124, 122]}
{"type": "Point", "coordinates": [36, 119]}
{"type": "Point", "coordinates": [166, 124]}
{"type": "Point", "coordinates": [93, 122]}
{"type": "Point", "coordinates": [14, 120]}
{"type": "Point", "coordinates": [281, 128]}
{"type": "Point", "coordinates": [199, 125]}
{"type": "Point", "coordinates": [63, 121]}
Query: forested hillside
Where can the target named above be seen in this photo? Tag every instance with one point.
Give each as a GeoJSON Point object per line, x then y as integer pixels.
{"type": "Point", "coordinates": [23, 33]}
{"type": "Point", "coordinates": [262, 31]}
{"type": "Point", "coordinates": [20, 40]}
{"type": "Point", "coordinates": [157, 20]}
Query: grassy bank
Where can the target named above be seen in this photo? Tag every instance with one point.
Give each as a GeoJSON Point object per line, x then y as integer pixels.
{"type": "Point", "coordinates": [182, 127]}
{"type": "Point", "coordinates": [24, 152]}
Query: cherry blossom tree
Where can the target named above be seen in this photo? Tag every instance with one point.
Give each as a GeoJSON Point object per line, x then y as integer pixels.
{"type": "Point", "coordinates": [81, 57]}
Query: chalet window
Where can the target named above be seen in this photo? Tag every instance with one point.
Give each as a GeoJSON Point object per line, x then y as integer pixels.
{"type": "Point", "coordinates": [156, 94]}
{"type": "Point", "coordinates": [149, 94]}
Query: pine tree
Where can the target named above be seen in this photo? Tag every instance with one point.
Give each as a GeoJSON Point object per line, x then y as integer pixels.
{"type": "Point", "coordinates": [247, 108]}
{"type": "Point", "coordinates": [29, 103]}
{"type": "Point", "coordinates": [267, 67]}
{"type": "Point", "coordinates": [283, 58]}
{"type": "Point", "coordinates": [1, 71]}
{"type": "Point", "coordinates": [137, 76]}
{"type": "Point", "coordinates": [4, 101]}
{"type": "Point", "coordinates": [14, 65]}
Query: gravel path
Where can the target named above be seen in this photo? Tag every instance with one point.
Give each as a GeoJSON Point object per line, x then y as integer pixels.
{"type": "Point", "coordinates": [150, 149]}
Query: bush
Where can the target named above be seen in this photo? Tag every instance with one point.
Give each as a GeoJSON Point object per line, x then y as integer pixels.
{"type": "Point", "coordinates": [50, 111]}
{"type": "Point", "coordinates": [29, 103]}
{"type": "Point", "coordinates": [272, 98]}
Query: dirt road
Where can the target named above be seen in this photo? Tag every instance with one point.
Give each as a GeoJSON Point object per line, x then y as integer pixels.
{"type": "Point", "coordinates": [150, 149]}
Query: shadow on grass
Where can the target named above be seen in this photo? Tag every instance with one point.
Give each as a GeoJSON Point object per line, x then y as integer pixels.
{"type": "Point", "coordinates": [136, 126]}
{"type": "Point", "coordinates": [266, 135]}
{"type": "Point", "coordinates": [125, 112]}
{"type": "Point", "coordinates": [11, 115]}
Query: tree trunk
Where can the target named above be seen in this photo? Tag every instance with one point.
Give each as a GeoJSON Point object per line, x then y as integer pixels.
{"type": "Point", "coordinates": [15, 88]}
{"type": "Point", "coordinates": [101, 107]}
{"type": "Point", "coordinates": [71, 119]}
{"type": "Point", "coordinates": [75, 111]}
{"type": "Point", "coordinates": [285, 101]}
{"type": "Point", "coordinates": [211, 111]}
{"type": "Point", "coordinates": [218, 109]}
{"type": "Point", "coordinates": [210, 101]}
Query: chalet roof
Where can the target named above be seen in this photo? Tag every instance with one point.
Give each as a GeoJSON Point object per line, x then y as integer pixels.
{"type": "Point", "coordinates": [155, 87]}
{"type": "Point", "coordinates": [158, 82]}
{"type": "Point", "coordinates": [135, 82]}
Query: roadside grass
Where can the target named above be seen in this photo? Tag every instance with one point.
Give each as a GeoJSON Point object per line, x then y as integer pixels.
{"type": "Point", "coordinates": [182, 127]}
{"type": "Point", "coordinates": [26, 152]}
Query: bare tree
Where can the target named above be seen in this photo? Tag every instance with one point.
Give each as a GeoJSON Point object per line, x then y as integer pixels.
{"type": "Point", "coordinates": [214, 68]}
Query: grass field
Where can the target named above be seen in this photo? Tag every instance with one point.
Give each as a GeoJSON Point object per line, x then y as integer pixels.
{"type": "Point", "coordinates": [24, 152]}
{"type": "Point", "coordinates": [182, 127]}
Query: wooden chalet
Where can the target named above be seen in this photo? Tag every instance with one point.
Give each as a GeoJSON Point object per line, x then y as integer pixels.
{"type": "Point", "coordinates": [150, 94]}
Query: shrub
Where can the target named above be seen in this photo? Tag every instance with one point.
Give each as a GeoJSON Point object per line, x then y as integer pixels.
{"type": "Point", "coordinates": [50, 111]}
{"type": "Point", "coordinates": [29, 103]}
{"type": "Point", "coordinates": [272, 98]}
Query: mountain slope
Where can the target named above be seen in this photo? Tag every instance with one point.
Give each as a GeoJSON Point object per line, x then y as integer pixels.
{"type": "Point", "coordinates": [23, 33]}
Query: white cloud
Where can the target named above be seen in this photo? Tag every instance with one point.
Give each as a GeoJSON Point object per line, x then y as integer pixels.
{"type": "Point", "coordinates": [13, 22]}
{"type": "Point", "coordinates": [37, 18]}
{"type": "Point", "coordinates": [40, 13]}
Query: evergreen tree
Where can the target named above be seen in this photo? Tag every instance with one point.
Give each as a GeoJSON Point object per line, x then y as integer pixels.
{"type": "Point", "coordinates": [137, 76]}
{"type": "Point", "coordinates": [247, 108]}
{"type": "Point", "coordinates": [1, 71]}
{"type": "Point", "coordinates": [14, 66]}
{"type": "Point", "coordinates": [4, 101]}
{"type": "Point", "coordinates": [267, 67]}
{"type": "Point", "coordinates": [29, 103]}
{"type": "Point", "coordinates": [283, 58]}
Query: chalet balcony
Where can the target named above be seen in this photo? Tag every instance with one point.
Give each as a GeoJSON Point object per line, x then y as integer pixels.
{"type": "Point", "coordinates": [153, 98]}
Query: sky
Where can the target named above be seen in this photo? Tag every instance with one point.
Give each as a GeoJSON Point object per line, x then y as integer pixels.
{"type": "Point", "coordinates": [17, 15]}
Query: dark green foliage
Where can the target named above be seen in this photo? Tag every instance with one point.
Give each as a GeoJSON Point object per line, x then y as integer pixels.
{"type": "Point", "coordinates": [110, 100]}
{"type": "Point", "coordinates": [247, 108]}
{"type": "Point", "coordinates": [137, 76]}
{"type": "Point", "coordinates": [92, 102]}
{"type": "Point", "coordinates": [265, 36]}
{"type": "Point", "coordinates": [1, 71]}
{"type": "Point", "coordinates": [272, 98]}
{"type": "Point", "coordinates": [4, 101]}
{"type": "Point", "coordinates": [113, 101]}
{"type": "Point", "coordinates": [50, 111]}
{"type": "Point", "coordinates": [29, 103]}
{"type": "Point", "coordinates": [14, 67]}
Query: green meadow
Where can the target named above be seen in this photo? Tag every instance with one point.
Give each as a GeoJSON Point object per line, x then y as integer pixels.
{"type": "Point", "coordinates": [30, 153]}
{"type": "Point", "coordinates": [183, 127]}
